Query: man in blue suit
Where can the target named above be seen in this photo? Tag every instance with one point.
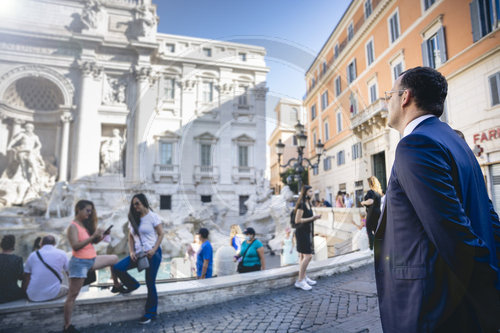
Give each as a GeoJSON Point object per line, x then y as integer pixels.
{"type": "Point", "coordinates": [437, 243]}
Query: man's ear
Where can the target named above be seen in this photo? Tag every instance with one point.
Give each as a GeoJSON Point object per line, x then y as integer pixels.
{"type": "Point", "coordinates": [407, 98]}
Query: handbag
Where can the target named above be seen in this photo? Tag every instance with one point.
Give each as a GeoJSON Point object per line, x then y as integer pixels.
{"type": "Point", "coordinates": [241, 268]}
{"type": "Point", "coordinates": [142, 257]}
{"type": "Point", "coordinates": [142, 261]}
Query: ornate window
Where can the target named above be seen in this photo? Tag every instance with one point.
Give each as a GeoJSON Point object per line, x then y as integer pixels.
{"type": "Point", "coordinates": [208, 92]}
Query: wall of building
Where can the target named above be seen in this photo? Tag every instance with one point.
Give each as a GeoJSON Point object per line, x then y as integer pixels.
{"type": "Point", "coordinates": [467, 66]}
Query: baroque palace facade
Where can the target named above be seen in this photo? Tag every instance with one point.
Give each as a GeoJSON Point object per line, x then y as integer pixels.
{"type": "Point", "coordinates": [116, 105]}
{"type": "Point", "coordinates": [370, 46]}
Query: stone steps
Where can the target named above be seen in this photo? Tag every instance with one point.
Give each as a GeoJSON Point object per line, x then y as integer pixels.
{"type": "Point", "coordinates": [101, 307]}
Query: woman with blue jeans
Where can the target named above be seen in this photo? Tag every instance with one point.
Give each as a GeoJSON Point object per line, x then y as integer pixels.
{"type": "Point", "coordinates": [145, 234]}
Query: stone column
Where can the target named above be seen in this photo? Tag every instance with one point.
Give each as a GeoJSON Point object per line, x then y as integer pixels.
{"type": "Point", "coordinates": [88, 127]}
{"type": "Point", "coordinates": [139, 121]}
{"type": "Point", "coordinates": [66, 118]}
{"type": "Point", "coordinates": [16, 127]}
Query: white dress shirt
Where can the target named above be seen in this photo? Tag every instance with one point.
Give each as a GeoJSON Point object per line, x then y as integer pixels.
{"type": "Point", "coordinates": [414, 123]}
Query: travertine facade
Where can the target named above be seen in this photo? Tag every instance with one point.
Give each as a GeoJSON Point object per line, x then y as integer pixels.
{"type": "Point", "coordinates": [119, 106]}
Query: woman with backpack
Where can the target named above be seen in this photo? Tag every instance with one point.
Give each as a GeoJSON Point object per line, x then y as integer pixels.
{"type": "Point", "coordinates": [304, 233]}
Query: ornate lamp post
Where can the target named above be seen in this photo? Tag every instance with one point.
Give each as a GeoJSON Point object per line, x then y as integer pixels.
{"type": "Point", "coordinates": [298, 163]}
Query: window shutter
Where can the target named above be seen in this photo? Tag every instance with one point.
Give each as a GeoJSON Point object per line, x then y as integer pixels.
{"type": "Point", "coordinates": [442, 45]}
{"type": "Point", "coordinates": [475, 20]}
{"type": "Point", "coordinates": [355, 72]}
{"type": "Point", "coordinates": [425, 54]}
{"type": "Point", "coordinates": [495, 89]}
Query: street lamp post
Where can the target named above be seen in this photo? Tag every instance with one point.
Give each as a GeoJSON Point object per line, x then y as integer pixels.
{"type": "Point", "coordinates": [297, 163]}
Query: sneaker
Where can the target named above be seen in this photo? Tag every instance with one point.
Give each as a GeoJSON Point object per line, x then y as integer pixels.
{"type": "Point", "coordinates": [310, 282]}
{"type": "Point", "coordinates": [144, 320]}
{"type": "Point", "coordinates": [70, 329]}
{"type": "Point", "coordinates": [302, 285]}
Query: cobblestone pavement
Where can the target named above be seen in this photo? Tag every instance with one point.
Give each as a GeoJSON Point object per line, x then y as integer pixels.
{"type": "Point", "coordinates": [338, 304]}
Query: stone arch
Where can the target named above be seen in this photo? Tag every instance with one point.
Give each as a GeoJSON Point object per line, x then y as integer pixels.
{"type": "Point", "coordinates": [41, 73]}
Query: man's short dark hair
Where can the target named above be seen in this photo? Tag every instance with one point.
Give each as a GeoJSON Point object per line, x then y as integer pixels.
{"type": "Point", "coordinates": [428, 87]}
{"type": "Point", "coordinates": [8, 242]}
{"type": "Point", "coordinates": [203, 232]}
{"type": "Point", "coordinates": [48, 240]}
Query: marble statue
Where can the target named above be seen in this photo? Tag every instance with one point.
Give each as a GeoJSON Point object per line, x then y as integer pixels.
{"type": "Point", "coordinates": [26, 147]}
{"type": "Point", "coordinates": [146, 21]}
{"type": "Point", "coordinates": [111, 153]}
{"type": "Point", "coordinates": [27, 174]}
{"type": "Point", "coordinates": [60, 200]}
{"type": "Point", "coordinates": [91, 15]}
{"type": "Point", "coordinates": [114, 91]}
{"type": "Point", "coordinates": [262, 193]}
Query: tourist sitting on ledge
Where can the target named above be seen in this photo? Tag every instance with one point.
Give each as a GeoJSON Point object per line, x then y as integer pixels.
{"type": "Point", "coordinates": [11, 270]}
{"type": "Point", "coordinates": [44, 272]}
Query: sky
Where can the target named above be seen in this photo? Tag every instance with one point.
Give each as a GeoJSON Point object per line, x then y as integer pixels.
{"type": "Point", "coordinates": [292, 31]}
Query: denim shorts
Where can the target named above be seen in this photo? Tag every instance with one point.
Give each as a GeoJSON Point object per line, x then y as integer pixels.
{"type": "Point", "coordinates": [78, 268]}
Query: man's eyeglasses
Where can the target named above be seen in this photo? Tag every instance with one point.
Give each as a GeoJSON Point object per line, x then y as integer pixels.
{"type": "Point", "coordinates": [388, 94]}
{"type": "Point", "coordinates": [137, 203]}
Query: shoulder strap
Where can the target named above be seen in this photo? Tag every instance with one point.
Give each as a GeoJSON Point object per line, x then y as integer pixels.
{"type": "Point", "coordinates": [246, 250]}
{"type": "Point", "coordinates": [47, 265]}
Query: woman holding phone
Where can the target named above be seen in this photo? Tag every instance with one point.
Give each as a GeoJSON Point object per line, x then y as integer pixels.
{"type": "Point", "coordinates": [145, 236]}
{"type": "Point", "coordinates": [304, 233]}
{"type": "Point", "coordinates": [82, 233]}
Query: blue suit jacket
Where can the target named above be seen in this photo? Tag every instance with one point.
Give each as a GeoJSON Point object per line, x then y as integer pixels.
{"type": "Point", "coordinates": [437, 241]}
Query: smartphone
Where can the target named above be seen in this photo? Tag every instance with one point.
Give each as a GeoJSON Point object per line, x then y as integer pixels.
{"type": "Point", "coordinates": [108, 230]}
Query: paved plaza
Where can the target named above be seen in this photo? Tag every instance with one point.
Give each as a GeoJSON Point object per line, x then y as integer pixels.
{"type": "Point", "coordinates": [341, 303]}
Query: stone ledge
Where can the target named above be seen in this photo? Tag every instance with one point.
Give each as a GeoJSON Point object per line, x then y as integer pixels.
{"type": "Point", "coordinates": [101, 306]}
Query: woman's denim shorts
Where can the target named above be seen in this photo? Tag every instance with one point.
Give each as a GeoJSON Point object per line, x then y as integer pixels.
{"type": "Point", "coordinates": [78, 268]}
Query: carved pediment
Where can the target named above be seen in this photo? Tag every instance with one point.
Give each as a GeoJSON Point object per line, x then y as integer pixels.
{"type": "Point", "coordinates": [244, 139]}
{"type": "Point", "coordinates": [167, 135]}
{"type": "Point", "coordinates": [206, 137]}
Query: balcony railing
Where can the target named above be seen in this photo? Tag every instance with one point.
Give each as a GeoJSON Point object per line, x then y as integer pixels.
{"type": "Point", "coordinates": [166, 171]}
{"type": "Point", "coordinates": [374, 115]}
{"type": "Point", "coordinates": [241, 172]}
{"type": "Point", "coordinates": [207, 172]}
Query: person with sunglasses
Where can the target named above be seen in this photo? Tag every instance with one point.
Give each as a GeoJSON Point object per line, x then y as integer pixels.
{"type": "Point", "coordinates": [145, 235]}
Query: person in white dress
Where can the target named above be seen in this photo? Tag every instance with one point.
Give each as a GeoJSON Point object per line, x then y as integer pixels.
{"type": "Point", "coordinates": [290, 255]}
{"type": "Point", "coordinates": [360, 237]}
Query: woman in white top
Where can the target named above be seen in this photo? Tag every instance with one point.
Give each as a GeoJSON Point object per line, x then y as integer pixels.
{"type": "Point", "coordinates": [145, 234]}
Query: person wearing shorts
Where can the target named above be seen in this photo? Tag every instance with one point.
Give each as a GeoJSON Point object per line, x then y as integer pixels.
{"type": "Point", "coordinates": [82, 234]}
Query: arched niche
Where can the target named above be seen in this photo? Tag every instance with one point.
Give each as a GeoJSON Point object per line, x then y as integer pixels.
{"type": "Point", "coordinates": [39, 95]}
